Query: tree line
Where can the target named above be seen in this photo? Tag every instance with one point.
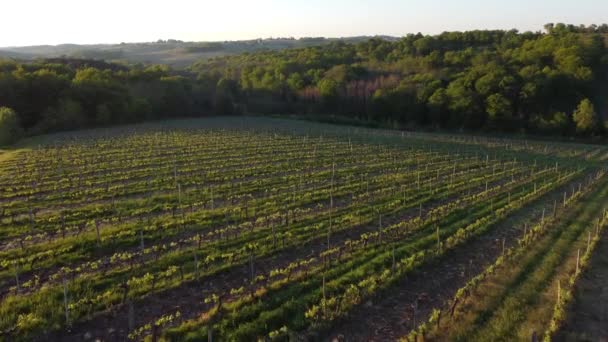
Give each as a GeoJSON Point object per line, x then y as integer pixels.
{"type": "Point", "coordinates": [539, 83]}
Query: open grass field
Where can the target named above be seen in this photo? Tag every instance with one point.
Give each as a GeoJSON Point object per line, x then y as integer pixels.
{"type": "Point", "coordinates": [245, 229]}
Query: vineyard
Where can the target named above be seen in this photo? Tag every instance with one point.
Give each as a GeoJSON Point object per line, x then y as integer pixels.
{"type": "Point", "coordinates": [245, 229]}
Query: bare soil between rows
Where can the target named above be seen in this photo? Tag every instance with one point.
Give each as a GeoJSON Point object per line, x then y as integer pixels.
{"type": "Point", "coordinates": [188, 297]}
{"type": "Point", "coordinates": [394, 313]}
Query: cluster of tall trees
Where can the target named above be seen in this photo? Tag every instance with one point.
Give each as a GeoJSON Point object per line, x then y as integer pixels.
{"type": "Point", "coordinates": [63, 94]}
{"type": "Point", "coordinates": [552, 83]}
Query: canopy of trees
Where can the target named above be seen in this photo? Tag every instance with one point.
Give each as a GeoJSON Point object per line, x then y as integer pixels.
{"type": "Point", "coordinates": [490, 80]}
{"type": "Point", "coordinates": [553, 83]}
{"type": "Point", "coordinates": [62, 94]}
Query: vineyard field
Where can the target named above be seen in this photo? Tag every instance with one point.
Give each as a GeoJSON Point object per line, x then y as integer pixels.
{"type": "Point", "coordinates": [262, 229]}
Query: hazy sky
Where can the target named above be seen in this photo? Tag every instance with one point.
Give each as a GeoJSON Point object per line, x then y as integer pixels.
{"type": "Point", "coordinates": [28, 22]}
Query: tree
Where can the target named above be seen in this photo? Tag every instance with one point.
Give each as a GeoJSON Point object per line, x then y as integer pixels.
{"type": "Point", "coordinates": [560, 122]}
{"type": "Point", "coordinates": [68, 114]}
{"type": "Point", "coordinates": [328, 88]}
{"type": "Point", "coordinates": [330, 91]}
{"type": "Point", "coordinates": [585, 117]}
{"type": "Point", "coordinates": [10, 128]}
{"type": "Point", "coordinates": [437, 104]}
{"type": "Point", "coordinates": [463, 105]}
{"type": "Point", "coordinates": [498, 108]}
{"type": "Point", "coordinates": [295, 81]}
{"type": "Point", "coordinates": [225, 96]}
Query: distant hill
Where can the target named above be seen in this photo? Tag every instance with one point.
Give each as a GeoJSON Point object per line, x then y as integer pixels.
{"type": "Point", "coordinates": [172, 52]}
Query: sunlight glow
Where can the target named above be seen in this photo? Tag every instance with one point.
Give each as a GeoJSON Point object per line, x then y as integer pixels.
{"type": "Point", "coordinates": [30, 22]}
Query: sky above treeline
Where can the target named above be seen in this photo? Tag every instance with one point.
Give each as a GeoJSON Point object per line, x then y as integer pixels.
{"type": "Point", "coordinates": [37, 22]}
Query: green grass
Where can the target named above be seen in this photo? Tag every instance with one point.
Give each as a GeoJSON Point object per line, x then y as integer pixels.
{"type": "Point", "coordinates": [519, 300]}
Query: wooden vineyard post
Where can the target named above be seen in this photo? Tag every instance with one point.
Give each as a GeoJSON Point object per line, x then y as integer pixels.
{"type": "Point", "coordinates": [420, 212]}
{"type": "Point", "coordinates": [573, 192]}
{"type": "Point", "coordinates": [274, 236]}
{"type": "Point", "coordinates": [175, 173]}
{"type": "Point", "coordinates": [393, 257]}
{"type": "Point", "coordinates": [211, 190]}
{"type": "Point", "coordinates": [65, 302]}
{"type": "Point", "coordinates": [18, 286]}
{"type": "Point", "coordinates": [588, 242]}
{"type": "Point", "coordinates": [330, 226]}
{"type": "Point", "coordinates": [31, 214]}
{"type": "Point", "coordinates": [98, 236]}
{"type": "Point", "coordinates": [155, 332]}
{"type": "Point", "coordinates": [251, 270]}
{"type": "Point", "coordinates": [578, 259]}
{"type": "Point", "coordinates": [415, 312]}
{"type": "Point", "coordinates": [333, 172]}
{"type": "Point", "coordinates": [324, 298]}
{"type": "Point", "coordinates": [554, 208]}
{"type": "Point", "coordinates": [380, 227]}
{"type": "Point", "coordinates": [542, 220]}
{"type": "Point", "coordinates": [131, 314]}
{"type": "Point", "coordinates": [179, 194]}
{"type": "Point", "coordinates": [438, 241]}
{"type": "Point", "coordinates": [503, 247]}
{"type": "Point", "coordinates": [564, 199]}
{"type": "Point", "coordinates": [62, 224]}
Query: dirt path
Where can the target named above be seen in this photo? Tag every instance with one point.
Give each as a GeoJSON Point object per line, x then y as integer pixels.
{"type": "Point", "coordinates": [588, 316]}
{"type": "Point", "coordinates": [390, 316]}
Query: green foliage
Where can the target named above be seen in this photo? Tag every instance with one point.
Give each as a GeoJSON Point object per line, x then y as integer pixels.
{"type": "Point", "coordinates": [499, 108]}
{"type": "Point", "coordinates": [585, 117]}
{"type": "Point", "coordinates": [493, 80]}
{"type": "Point", "coordinates": [10, 129]}
{"type": "Point", "coordinates": [329, 88]}
{"type": "Point", "coordinates": [559, 122]}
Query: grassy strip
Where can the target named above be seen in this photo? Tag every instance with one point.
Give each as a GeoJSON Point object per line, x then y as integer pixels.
{"type": "Point", "coordinates": [518, 300]}
{"type": "Point", "coordinates": [566, 291]}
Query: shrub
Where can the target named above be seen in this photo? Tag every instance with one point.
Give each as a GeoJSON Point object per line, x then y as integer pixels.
{"type": "Point", "coordinates": [10, 129]}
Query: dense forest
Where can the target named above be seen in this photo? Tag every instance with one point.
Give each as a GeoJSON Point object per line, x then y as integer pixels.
{"type": "Point", "coordinates": [551, 83]}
